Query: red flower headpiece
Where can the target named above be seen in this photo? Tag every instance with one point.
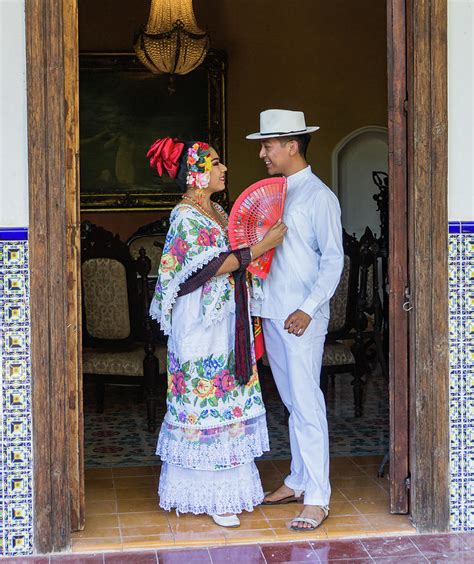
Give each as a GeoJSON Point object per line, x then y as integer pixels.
{"type": "Point", "coordinates": [164, 154]}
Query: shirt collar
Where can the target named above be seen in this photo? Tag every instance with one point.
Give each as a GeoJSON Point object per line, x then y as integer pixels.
{"type": "Point", "coordinates": [299, 176]}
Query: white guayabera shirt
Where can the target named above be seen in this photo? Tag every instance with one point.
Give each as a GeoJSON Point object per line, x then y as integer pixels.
{"type": "Point", "coordinates": [307, 267]}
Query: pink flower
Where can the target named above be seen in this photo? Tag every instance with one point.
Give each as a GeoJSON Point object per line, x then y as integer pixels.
{"type": "Point", "coordinates": [178, 385]}
{"type": "Point", "coordinates": [228, 382]}
{"type": "Point", "coordinates": [207, 237]}
{"type": "Point", "coordinates": [237, 412]}
{"type": "Point", "coordinates": [179, 249]}
{"type": "Point", "coordinates": [204, 238]}
{"type": "Point", "coordinates": [223, 382]}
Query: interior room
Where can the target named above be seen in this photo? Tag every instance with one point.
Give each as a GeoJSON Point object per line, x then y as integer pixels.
{"type": "Point", "coordinates": [328, 59]}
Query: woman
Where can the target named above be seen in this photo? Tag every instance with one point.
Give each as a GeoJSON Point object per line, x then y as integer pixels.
{"type": "Point", "coordinates": [215, 423]}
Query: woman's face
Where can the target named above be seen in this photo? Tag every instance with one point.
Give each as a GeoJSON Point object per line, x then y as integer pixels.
{"type": "Point", "coordinates": [217, 180]}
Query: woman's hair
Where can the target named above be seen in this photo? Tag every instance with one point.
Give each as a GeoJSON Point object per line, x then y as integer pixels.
{"type": "Point", "coordinates": [181, 160]}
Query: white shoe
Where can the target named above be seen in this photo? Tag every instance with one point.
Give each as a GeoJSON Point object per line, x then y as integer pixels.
{"type": "Point", "coordinates": [226, 520]}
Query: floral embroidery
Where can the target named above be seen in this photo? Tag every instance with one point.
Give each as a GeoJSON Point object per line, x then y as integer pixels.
{"type": "Point", "coordinates": [207, 390]}
{"type": "Point", "coordinates": [203, 394]}
{"type": "Point", "coordinates": [204, 388]}
{"type": "Point", "coordinates": [207, 237]}
{"type": "Point", "coordinates": [192, 241]}
{"type": "Point", "coordinates": [168, 262]}
{"type": "Point", "coordinates": [179, 248]}
{"type": "Point", "coordinates": [178, 385]}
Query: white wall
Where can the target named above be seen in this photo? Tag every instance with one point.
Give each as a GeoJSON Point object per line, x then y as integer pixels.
{"type": "Point", "coordinates": [354, 159]}
{"type": "Point", "coordinates": [13, 122]}
{"type": "Point", "coordinates": [461, 110]}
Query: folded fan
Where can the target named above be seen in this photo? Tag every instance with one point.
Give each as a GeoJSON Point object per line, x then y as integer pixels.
{"type": "Point", "coordinates": [255, 211]}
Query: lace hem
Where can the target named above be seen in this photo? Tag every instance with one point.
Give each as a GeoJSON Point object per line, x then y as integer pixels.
{"type": "Point", "coordinates": [197, 491]}
{"type": "Point", "coordinates": [213, 449]}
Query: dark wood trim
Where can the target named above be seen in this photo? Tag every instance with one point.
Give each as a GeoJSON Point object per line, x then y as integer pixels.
{"type": "Point", "coordinates": [398, 254]}
{"type": "Point", "coordinates": [50, 131]}
{"type": "Point", "coordinates": [427, 113]}
{"type": "Point", "coordinates": [74, 315]}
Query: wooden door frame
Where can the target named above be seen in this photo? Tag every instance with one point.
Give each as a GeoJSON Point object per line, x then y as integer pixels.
{"type": "Point", "coordinates": [54, 238]}
{"type": "Point", "coordinates": [53, 144]}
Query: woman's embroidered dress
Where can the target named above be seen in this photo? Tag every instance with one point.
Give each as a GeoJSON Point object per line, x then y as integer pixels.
{"type": "Point", "coordinates": [214, 427]}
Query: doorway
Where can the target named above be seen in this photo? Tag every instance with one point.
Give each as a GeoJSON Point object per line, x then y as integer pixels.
{"type": "Point", "coordinates": [56, 352]}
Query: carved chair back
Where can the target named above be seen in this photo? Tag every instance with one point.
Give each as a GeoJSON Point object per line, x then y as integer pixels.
{"type": "Point", "coordinates": [369, 276]}
{"type": "Point", "coordinates": [111, 312]}
{"type": "Point", "coordinates": [343, 304]}
{"type": "Point", "coordinates": [152, 238]}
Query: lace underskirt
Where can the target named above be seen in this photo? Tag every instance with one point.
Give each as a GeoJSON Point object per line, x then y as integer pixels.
{"type": "Point", "coordinates": [214, 449]}
{"type": "Point", "coordinates": [202, 491]}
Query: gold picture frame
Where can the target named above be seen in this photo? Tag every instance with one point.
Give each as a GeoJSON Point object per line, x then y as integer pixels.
{"type": "Point", "coordinates": [123, 108]}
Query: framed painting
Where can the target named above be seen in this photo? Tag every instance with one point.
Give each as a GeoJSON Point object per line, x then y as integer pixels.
{"type": "Point", "coordinates": [123, 108]}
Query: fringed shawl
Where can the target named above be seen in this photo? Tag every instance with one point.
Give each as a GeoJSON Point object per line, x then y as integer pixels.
{"type": "Point", "coordinates": [192, 241]}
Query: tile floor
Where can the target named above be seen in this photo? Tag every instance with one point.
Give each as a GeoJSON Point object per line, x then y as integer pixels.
{"type": "Point", "coordinates": [122, 511]}
{"type": "Point", "coordinates": [408, 549]}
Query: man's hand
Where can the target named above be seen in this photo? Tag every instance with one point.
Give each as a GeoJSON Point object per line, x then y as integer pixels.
{"type": "Point", "coordinates": [297, 322]}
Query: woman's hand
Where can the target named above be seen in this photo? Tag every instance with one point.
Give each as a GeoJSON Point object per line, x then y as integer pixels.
{"type": "Point", "coordinates": [273, 238]}
{"type": "Point", "coordinates": [275, 235]}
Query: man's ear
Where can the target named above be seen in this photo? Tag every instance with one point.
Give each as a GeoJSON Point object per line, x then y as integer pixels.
{"type": "Point", "coordinates": [293, 147]}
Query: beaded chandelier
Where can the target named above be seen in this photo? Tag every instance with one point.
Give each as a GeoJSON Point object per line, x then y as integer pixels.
{"type": "Point", "coordinates": [171, 42]}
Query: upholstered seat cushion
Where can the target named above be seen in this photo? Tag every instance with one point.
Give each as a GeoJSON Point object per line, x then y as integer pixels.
{"type": "Point", "coordinates": [337, 354]}
{"type": "Point", "coordinates": [121, 363]}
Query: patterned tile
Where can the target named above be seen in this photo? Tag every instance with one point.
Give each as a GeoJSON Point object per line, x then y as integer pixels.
{"type": "Point", "coordinates": [461, 361]}
{"type": "Point", "coordinates": [16, 510]}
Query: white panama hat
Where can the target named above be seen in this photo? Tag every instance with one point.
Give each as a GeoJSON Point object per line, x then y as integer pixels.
{"type": "Point", "coordinates": [281, 123]}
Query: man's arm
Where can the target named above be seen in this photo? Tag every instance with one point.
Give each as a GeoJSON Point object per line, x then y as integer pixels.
{"type": "Point", "coordinates": [326, 220]}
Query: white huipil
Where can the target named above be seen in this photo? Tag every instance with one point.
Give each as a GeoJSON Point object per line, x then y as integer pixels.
{"type": "Point", "coordinates": [214, 428]}
{"type": "Point", "coordinates": [304, 275]}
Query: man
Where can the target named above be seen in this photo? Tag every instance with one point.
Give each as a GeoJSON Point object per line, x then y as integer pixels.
{"type": "Point", "coordinates": [304, 275]}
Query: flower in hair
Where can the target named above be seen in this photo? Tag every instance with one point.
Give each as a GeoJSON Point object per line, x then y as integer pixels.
{"type": "Point", "coordinates": [199, 165]}
{"type": "Point", "coordinates": [164, 155]}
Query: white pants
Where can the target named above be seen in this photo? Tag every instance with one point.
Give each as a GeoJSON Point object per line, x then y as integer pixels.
{"type": "Point", "coordinates": [296, 367]}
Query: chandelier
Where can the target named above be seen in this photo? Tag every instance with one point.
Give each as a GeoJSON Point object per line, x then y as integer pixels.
{"type": "Point", "coordinates": [171, 42]}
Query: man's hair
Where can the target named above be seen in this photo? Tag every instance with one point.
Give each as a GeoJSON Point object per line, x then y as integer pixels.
{"type": "Point", "coordinates": [302, 140]}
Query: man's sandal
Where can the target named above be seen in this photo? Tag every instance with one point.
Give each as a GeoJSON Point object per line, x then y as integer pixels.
{"type": "Point", "coordinates": [314, 524]}
{"type": "Point", "coordinates": [297, 496]}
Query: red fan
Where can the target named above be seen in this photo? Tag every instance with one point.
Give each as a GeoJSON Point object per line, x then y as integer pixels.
{"type": "Point", "coordinates": [257, 209]}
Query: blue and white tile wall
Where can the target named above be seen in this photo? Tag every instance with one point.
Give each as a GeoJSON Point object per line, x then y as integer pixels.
{"type": "Point", "coordinates": [16, 488]}
{"type": "Point", "coordinates": [461, 328]}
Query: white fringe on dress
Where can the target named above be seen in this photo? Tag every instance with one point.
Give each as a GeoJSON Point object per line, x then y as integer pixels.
{"type": "Point", "coordinates": [216, 448]}
{"type": "Point", "coordinates": [210, 492]}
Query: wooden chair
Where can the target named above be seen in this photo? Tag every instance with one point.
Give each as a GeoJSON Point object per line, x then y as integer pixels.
{"type": "Point", "coordinates": [343, 349]}
{"type": "Point", "coordinates": [372, 303]}
{"type": "Point", "coordinates": [151, 237]}
{"type": "Point", "coordinates": [117, 336]}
